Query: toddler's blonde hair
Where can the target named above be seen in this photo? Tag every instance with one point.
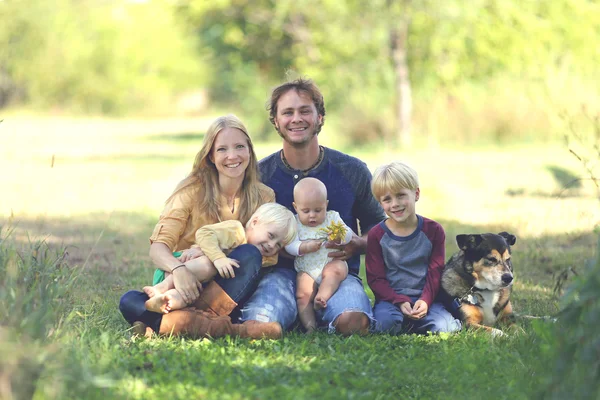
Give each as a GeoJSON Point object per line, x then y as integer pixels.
{"type": "Point", "coordinates": [279, 217]}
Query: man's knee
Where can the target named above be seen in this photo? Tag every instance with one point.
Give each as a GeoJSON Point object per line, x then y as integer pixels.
{"type": "Point", "coordinates": [351, 322]}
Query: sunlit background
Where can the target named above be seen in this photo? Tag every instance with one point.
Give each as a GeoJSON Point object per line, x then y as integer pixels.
{"type": "Point", "coordinates": [104, 103]}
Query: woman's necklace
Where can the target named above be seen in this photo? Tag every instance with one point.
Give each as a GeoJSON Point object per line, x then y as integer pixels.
{"type": "Point", "coordinates": [304, 171]}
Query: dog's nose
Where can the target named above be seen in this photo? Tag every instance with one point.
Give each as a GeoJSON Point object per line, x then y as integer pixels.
{"type": "Point", "coordinates": [507, 278]}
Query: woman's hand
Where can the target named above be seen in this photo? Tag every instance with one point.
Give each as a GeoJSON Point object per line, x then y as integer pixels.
{"type": "Point", "coordinates": [225, 267]}
{"type": "Point", "coordinates": [190, 254]}
{"type": "Point", "coordinates": [343, 252]}
{"type": "Point", "coordinates": [186, 284]}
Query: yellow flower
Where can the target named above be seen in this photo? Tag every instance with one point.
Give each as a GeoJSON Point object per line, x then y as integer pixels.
{"type": "Point", "coordinates": [335, 232]}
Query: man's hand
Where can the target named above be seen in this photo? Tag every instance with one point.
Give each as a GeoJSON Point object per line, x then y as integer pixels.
{"type": "Point", "coordinates": [187, 284]}
{"type": "Point", "coordinates": [225, 267]}
{"type": "Point", "coordinates": [343, 252]}
{"type": "Point", "coordinates": [190, 254]}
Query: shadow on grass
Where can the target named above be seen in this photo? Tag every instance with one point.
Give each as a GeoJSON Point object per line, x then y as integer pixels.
{"type": "Point", "coordinates": [568, 184]}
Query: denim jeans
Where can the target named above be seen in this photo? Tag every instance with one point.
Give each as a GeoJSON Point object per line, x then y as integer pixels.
{"type": "Point", "coordinates": [275, 300]}
{"type": "Point", "coordinates": [132, 304]}
{"type": "Point", "coordinates": [389, 319]}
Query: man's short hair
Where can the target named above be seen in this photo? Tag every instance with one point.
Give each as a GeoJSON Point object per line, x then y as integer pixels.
{"type": "Point", "coordinates": [299, 85]}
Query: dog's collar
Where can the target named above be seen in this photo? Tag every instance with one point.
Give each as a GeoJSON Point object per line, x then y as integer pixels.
{"type": "Point", "coordinates": [470, 298]}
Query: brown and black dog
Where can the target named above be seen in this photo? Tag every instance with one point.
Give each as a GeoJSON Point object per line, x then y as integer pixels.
{"type": "Point", "coordinates": [477, 281]}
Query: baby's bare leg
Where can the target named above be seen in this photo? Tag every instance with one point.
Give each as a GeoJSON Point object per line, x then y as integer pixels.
{"type": "Point", "coordinates": [333, 274]}
{"type": "Point", "coordinates": [305, 293]}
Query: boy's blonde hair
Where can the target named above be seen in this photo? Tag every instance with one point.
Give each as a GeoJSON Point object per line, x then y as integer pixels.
{"type": "Point", "coordinates": [390, 178]}
{"type": "Point", "coordinates": [277, 216]}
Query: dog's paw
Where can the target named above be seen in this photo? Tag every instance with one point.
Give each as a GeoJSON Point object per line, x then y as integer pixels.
{"type": "Point", "coordinates": [497, 333]}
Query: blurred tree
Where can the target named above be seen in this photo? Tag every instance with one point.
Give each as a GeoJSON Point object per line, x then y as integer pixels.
{"type": "Point", "coordinates": [399, 29]}
{"type": "Point", "coordinates": [96, 56]}
{"type": "Point", "coordinates": [119, 55]}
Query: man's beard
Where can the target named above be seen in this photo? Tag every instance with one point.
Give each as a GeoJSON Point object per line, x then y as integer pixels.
{"type": "Point", "coordinates": [297, 145]}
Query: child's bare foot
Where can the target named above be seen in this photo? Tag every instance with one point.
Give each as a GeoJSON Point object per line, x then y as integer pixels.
{"type": "Point", "coordinates": [320, 302]}
{"type": "Point", "coordinates": [151, 291]}
{"type": "Point", "coordinates": [161, 303]}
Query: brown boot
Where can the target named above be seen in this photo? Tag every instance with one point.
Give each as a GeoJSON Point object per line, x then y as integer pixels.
{"type": "Point", "coordinates": [199, 324]}
{"type": "Point", "coordinates": [214, 300]}
{"type": "Point", "coordinates": [259, 330]}
{"type": "Point", "coordinates": [196, 324]}
{"type": "Point", "coordinates": [140, 329]}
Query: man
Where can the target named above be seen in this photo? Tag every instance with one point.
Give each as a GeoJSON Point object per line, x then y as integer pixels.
{"type": "Point", "coordinates": [297, 111]}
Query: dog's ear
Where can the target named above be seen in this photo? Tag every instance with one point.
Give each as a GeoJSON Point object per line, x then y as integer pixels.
{"type": "Point", "coordinates": [468, 241]}
{"type": "Point", "coordinates": [510, 239]}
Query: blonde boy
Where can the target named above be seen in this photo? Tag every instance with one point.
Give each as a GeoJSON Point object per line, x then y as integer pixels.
{"type": "Point", "coordinates": [405, 258]}
{"type": "Point", "coordinates": [270, 228]}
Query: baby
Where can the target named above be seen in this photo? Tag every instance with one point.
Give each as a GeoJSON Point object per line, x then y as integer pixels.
{"type": "Point", "coordinates": [271, 227]}
{"type": "Point", "coordinates": [318, 275]}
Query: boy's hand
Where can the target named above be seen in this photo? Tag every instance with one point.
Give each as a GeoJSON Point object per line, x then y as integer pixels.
{"type": "Point", "coordinates": [406, 309]}
{"type": "Point", "coordinates": [190, 254]}
{"type": "Point", "coordinates": [419, 310]}
{"type": "Point", "coordinates": [225, 267]}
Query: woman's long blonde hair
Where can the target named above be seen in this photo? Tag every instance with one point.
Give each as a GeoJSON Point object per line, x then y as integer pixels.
{"type": "Point", "coordinates": [204, 174]}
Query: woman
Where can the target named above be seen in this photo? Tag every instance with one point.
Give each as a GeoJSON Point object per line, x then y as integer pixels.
{"type": "Point", "coordinates": [223, 185]}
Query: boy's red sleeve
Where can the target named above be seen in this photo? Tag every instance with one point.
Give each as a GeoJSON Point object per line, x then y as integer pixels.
{"type": "Point", "coordinates": [375, 265]}
{"type": "Point", "coordinates": [437, 236]}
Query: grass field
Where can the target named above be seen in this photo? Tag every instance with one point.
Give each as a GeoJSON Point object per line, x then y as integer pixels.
{"type": "Point", "coordinates": [96, 187]}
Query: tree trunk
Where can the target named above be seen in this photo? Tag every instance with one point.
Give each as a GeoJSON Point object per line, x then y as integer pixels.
{"type": "Point", "coordinates": [399, 50]}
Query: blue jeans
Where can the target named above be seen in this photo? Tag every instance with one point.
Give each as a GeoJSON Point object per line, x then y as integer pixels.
{"type": "Point", "coordinates": [132, 304]}
{"type": "Point", "coordinates": [389, 319]}
{"type": "Point", "coordinates": [275, 300]}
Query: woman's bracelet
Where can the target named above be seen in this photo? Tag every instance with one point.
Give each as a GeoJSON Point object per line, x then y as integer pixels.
{"type": "Point", "coordinates": [179, 266]}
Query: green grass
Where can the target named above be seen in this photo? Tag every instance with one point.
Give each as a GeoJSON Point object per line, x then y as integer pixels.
{"type": "Point", "coordinates": [101, 198]}
{"type": "Point", "coordinates": [83, 350]}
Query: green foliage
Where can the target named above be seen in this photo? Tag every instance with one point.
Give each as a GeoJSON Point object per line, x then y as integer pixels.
{"type": "Point", "coordinates": [576, 344]}
{"type": "Point", "coordinates": [575, 341]}
{"type": "Point", "coordinates": [583, 141]}
{"type": "Point", "coordinates": [97, 57]}
{"type": "Point", "coordinates": [490, 69]}
{"type": "Point", "coordinates": [35, 303]}
{"type": "Point", "coordinates": [453, 52]}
